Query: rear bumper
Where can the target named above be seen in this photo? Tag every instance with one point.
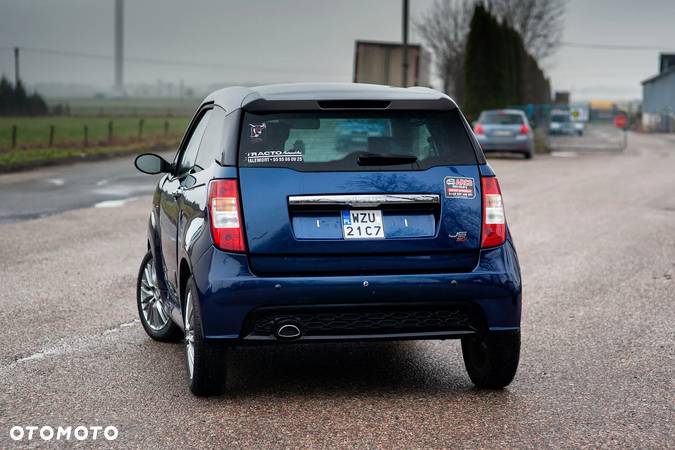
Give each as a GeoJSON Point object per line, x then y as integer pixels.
{"type": "Point", "coordinates": [563, 131]}
{"type": "Point", "coordinates": [488, 145]}
{"type": "Point", "coordinates": [236, 305]}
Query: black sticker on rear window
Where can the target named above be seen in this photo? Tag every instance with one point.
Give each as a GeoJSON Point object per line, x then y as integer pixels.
{"type": "Point", "coordinates": [459, 187]}
{"type": "Point", "coordinates": [256, 131]}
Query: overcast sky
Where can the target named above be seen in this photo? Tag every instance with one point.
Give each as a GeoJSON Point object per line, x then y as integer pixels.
{"type": "Point", "coordinates": [257, 41]}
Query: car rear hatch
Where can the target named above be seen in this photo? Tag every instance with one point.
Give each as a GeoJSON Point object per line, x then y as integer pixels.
{"type": "Point", "coordinates": [501, 133]}
{"type": "Point", "coordinates": [501, 126]}
{"type": "Point", "coordinates": [354, 191]}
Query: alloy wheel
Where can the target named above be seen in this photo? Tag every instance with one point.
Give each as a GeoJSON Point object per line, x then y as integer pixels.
{"type": "Point", "coordinates": [151, 301]}
{"type": "Point", "coordinates": [189, 334]}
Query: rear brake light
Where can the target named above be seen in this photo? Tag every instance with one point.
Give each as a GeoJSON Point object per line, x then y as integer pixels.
{"type": "Point", "coordinates": [494, 220]}
{"type": "Point", "coordinates": [478, 129]}
{"type": "Point", "coordinates": [225, 215]}
{"type": "Point", "coordinates": [524, 129]}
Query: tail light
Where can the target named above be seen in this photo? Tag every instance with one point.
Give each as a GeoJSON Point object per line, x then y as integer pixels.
{"type": "Point", "coordinates": [226, 224]}
{"type": "Point", "coordinates": [478, 129]}
{"type": "Point", "coordinates": [524, 129]}
{"type": "Point", "coordinates": [494, 219]}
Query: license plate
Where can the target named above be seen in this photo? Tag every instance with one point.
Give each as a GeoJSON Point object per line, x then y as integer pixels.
{"type": "Point", "coordinates": [362, 224]}
{"type": "Point", "coordinates": [502, 133]}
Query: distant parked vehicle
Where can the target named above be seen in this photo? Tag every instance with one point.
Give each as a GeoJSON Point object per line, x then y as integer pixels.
{"type": "Point", "coordinates": [579, 127]}
{"type": "Point", "coordinates": [505, 130]}
{"type": "Point", "coordinates": [561, 123]}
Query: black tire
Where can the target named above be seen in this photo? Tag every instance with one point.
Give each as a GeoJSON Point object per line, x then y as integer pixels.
{"type": "Point", "coordinates": [527, 155]}
{"type": "Point", "coordinates": [170, 332]}
{"type": "Point", "coordinates": [491, 359]}
{"type": "Point", "coordinates": [209, 373]}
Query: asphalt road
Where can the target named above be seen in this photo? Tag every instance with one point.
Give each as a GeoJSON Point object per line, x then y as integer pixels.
{"type": "Point", "coordinates": [596, 137]}
{"type": "Point", "coordinates": [52, 190]}
{"type": "Point", "coordinates": [596, 240]}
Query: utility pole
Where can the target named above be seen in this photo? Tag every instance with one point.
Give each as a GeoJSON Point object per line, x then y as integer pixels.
{"type": "Point", "coordinates": [16, 66]}
{"type": "Point", "coordinates": [119, 46]}
{"type": "Point", "coordinates": [405, 43]}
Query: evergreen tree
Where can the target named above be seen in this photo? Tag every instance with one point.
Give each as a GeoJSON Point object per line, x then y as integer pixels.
{"type": "Point", "coordinates": [478, 87]}
{"type": "Point", "coordinates": [15, 101]}
{"type": "Point", "coordinates": [499, 72]}
{"type": "Point", "coordinates": [20, 99]}
{"type": "Point", "coordinates": [6, 96]}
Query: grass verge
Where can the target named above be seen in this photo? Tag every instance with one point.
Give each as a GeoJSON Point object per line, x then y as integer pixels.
{"type": "Point", "coordinates": [30, 158]}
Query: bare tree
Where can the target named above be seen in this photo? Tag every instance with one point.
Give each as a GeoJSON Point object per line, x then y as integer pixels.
{"type": "Point", "coordinates": [539, 22]}
{"type": "Point", "coordinates": [444, 29]}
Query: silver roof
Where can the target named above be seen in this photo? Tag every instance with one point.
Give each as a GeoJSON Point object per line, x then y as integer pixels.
{"type": "Point", "coordinates": [235, 97]}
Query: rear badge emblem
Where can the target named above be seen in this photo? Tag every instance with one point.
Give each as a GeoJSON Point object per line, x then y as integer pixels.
{"type": "Point", "coordinates": [460, 236]}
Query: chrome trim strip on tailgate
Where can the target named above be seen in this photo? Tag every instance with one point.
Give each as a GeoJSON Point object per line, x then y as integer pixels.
{"type": "Point", "coordinates": [364, 200]}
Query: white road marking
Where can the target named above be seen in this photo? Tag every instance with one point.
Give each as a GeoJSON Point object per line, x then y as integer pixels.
{"type": "Point", "coordinates": [111, 203]}
{"type": "Point", "coordinates": [83, 343]}
{"type": "Point", "coordinates": [56, 181]}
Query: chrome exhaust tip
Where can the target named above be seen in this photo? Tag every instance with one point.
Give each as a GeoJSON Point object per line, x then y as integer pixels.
{"type": "Point", "coordinates": [288, 331]}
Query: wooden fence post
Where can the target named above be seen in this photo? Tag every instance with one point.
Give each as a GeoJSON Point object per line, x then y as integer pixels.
{"type": "Point", "coordinates": [13, 136]}
{"type": "Point", "coordinates": [51, 135]}
{"type": "Point", "coordinates": [110, 131]}
{"type": "Point", "coordinates": [86, 135]}
{"type": "Point", "coordinates": [140, 129]}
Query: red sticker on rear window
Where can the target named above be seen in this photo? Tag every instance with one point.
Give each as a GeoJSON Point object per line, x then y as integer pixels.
{"type": "Point", "coordinates": [459, 187]}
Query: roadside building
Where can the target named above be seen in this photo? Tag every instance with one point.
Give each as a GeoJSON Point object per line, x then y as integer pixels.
{"type": "Point", "coordinates": [382, 62]}
{"type": "Point", "coordinates": [658, 97]}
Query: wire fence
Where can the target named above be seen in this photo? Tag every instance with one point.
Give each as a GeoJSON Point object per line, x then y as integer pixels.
{"type": "Point", "coordinates": [58, 132]}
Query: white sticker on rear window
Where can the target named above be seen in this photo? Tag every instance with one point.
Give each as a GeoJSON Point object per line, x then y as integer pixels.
{"type": "Point", "coordinates": [459, 187]}
{"type": "Point", "coordinates": [273, 156]}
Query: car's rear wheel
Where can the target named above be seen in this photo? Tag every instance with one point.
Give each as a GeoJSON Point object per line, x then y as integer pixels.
{"type": "Point", "coordinates": [151, 311]}
{"type": "Point", "coordinates": [491, 359]}
{"type": "Point", "coordinates": [205, 360]}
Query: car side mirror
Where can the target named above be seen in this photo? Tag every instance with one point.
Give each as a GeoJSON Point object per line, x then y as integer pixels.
{"type": "Point", "coordinates": [152, 164]}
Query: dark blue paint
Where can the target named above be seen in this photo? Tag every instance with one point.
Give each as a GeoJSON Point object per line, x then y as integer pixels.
{"type": "Point", "coordinates": [292, 262]}
{"type": "Point", "coordinates": [265, 194]}
{"type": "Point", "coordinates": [228, 290]}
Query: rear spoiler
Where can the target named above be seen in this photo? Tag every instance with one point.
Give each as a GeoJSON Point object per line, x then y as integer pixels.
{"type": "Point", "coordinates": [263, 105]}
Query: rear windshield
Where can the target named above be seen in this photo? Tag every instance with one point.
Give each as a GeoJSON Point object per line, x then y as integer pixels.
{"type": "Point", "coordinates": [500, 118]}
{"type": "Point", "coordinates": [355, 140]}
{"type": "Point", "coordinates": [560, 118]}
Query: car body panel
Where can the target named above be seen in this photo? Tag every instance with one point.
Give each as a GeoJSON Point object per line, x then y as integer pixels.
{"type": "Point", "coordinates": [228, 287]}
{"type": "Point", "coordinates": [494, 285]}
{"type": "Point", "coordinates": [270, 231]}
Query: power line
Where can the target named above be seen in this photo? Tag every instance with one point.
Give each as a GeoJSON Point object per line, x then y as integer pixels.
{"type": "Point", "coordinates": [612, 46]}
{"type": "Point", "coordinates": [156, 61]}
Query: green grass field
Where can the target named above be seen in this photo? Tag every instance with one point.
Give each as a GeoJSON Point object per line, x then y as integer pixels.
{"type": "Point", "coordinates": [69, 130]}
{"type": "Point", "coordinates": [127, 106]}
{"type": "Point", "coordinates": [32, 142]}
